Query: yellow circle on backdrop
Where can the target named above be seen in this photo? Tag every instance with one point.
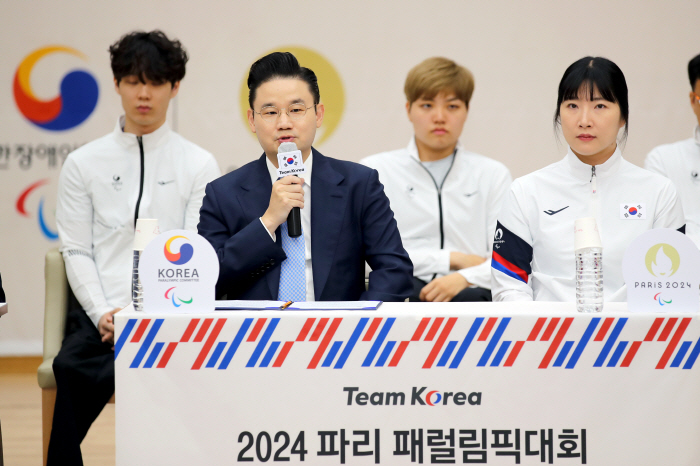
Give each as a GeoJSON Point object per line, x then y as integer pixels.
{"type": "Point", "coordinates": [329, 84]}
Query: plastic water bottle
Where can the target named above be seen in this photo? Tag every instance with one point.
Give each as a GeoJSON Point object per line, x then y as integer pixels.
{"type": "Point", "coordinates": [146, 229]}
{"type": "Point", "coordinates": [136, 287]}
{"type": "Point", "coordinates": [589, 280]}
{"type": "Point", "coordinates": [589, 266]}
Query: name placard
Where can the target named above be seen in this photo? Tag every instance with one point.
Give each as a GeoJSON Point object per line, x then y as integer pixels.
{"type": "Point", "coordinates": [179, 270]}
{"type": "Point", "coordinates": [662, 272]}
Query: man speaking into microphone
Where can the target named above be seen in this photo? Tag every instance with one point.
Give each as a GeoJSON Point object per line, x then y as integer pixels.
{"type": "Point", "coordinates": [345, 215]}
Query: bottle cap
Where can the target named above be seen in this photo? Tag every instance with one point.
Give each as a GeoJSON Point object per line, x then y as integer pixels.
{"type": "Point", "coordinates": [146, 230]}
{"type": "Point", "coordinates": [586, 234]}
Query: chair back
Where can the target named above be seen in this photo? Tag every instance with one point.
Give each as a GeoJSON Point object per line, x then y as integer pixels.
{"type": "Point", "coordinates": [56, 299]}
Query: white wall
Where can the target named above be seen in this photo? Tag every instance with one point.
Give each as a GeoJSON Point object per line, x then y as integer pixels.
{"type": "Point", "coordinates": [516, 50]}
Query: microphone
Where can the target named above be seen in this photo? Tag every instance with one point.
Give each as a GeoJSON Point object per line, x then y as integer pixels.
{"type": "Point", "coordinates": [294, 217]}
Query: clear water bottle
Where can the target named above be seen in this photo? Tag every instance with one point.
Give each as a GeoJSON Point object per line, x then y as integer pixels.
{"type": "Point", "coordinates": [589, 279]}
{"type": "Point", "coordinates": [146, 229]}
{"type": "Point", "coordinates": [589, 265]}
{"type": "Point", "coordinates": [136, 287]}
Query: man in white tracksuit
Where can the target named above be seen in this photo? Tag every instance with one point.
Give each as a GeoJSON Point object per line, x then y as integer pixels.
{"type": "Point", "coordinates": [680, 161]}
{"type": "Point", "coordinates": [142, 169]}
{"type": "Point", "coordinates": [445, 198]}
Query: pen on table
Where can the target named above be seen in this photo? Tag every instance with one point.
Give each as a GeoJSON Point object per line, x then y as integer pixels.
{"type": "Point", "coordinates": [286, 305]}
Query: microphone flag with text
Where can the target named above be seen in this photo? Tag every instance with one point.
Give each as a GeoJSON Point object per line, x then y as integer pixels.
{"type": "Point", "coordinates": [290, 162]}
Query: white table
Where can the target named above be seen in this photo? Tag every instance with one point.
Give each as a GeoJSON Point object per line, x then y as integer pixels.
{"type": "Point", "coordinates": [615, 388]}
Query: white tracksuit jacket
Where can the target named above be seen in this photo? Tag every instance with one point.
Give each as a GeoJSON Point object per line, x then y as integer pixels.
{"type": "Point", "coordinates": [533, 256]}
{"type": "Point", "coordinates": [98, 192]}
{"type": "Point", "coordinates": [680, 163]}
{"type": "Point", "coordinates": [459, 217]}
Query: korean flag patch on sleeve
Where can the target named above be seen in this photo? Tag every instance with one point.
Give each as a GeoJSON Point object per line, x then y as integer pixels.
{"type": "Point", "coordinates": [632, 211]}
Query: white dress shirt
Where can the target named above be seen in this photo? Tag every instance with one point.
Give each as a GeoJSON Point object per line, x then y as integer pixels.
{"type": "Point", "coordinates": [305, 221]}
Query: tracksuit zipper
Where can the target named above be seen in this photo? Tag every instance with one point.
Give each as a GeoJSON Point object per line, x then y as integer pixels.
{"type": "Point", "coordinates": [439, 193]}
{"type": "Point", "coordinates": [594, 191]}
{"type": "Point", "coordinates": [138, 200]}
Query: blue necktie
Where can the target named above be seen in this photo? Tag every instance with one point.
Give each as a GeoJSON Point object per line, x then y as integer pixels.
{"type": "Point", "coordinates": [293, 269]}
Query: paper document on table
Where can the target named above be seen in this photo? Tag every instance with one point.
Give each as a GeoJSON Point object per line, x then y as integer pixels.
{"type": "Point", "coordinates": [244, 305]}
{"type": "Point", "coordinates": [335, 306]}
{"type": "Point", "coordinates": [236, 305]}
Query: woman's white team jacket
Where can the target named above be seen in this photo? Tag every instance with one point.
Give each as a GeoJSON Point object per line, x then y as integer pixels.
{"type": "Point", "coordinates": [533, 255]}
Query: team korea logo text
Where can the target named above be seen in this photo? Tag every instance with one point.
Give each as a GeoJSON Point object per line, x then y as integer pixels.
{"type": "Point", "coordinates": [420, 396]}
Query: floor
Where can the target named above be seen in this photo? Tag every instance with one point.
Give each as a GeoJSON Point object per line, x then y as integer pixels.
{"type": "Point", "coordinates": [20, 419]}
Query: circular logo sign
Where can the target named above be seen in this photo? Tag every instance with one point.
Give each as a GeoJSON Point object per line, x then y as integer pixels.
{"type": "Point", "coordinates": [75, 102]}
{"type": "Point", "coordinates": [329, 84]}
{"type": "Point", "coordinates": [179, 258]}
{"type": "Point", "coordinates": [662, 260]}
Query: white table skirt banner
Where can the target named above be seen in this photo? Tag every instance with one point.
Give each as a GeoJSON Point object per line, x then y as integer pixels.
{"type": "Point", "coordinates": [491, 383]}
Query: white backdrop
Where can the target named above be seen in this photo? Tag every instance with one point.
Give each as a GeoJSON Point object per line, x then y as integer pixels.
{"type": "Point", "coordinates": [516, 50]}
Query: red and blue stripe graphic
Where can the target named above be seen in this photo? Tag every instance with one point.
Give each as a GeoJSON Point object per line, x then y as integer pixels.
{"type": "Point", "coordinates": [511, 254]}
{"type": "Point", "coordinates": [155, 354]}
{"type": "Point", "coordinates": [394, 357]}
{"type": "Point", "coordinates": [499, 263]}
{"type": "Point", "coordinates": [385, 352]}
{"type": "Point", "coordinates": [619, 357]}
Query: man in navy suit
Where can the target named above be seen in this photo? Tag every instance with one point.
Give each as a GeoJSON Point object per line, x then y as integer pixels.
{"type": "Point", "coordinates": [345, 215]}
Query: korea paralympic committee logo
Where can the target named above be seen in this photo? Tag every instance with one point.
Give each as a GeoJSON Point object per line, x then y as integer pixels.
{"type": "Point", "coordinates": [74, 104]}
{"type": "Point", "coordinates": [172, 297]}
{"type": "Point", "coordinates": [21, 207]}
{"type": "Point", "coordinates": [179, 258]}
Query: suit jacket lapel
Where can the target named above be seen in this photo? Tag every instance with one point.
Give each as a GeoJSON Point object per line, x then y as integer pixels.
{"type": "Point", "coordinates": [328, 204]}
{"type": "Point", "coordinates": [254, 198]}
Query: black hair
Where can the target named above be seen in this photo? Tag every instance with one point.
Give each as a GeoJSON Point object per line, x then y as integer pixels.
{"type": "Point", "coordinates": [148, 55]}
{"type": "Point", "coordinates": [588, 75]}
{"type": "Point", "coordinates": [694, 71]}
{"type": "Point", "coordinates": [280, 65]}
